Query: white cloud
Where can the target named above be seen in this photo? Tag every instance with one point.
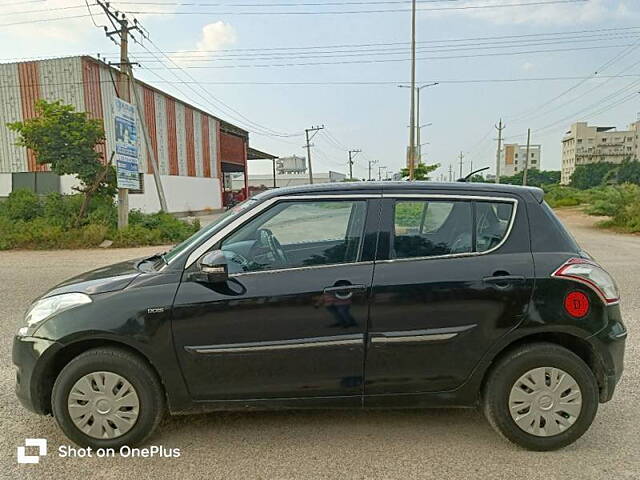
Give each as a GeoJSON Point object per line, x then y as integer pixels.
{"type": "Point", "coordinates": [216, 35]}
{"type": "Point", "coordinates": [591, 11]}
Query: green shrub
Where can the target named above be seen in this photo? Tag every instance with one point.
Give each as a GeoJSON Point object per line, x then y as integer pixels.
{"type": "Point", "coordinates": [50, 222]}
{"type": "Point", "coordinates": [561, 196]}
{"type": "Point", "coordinates": [22, 205]}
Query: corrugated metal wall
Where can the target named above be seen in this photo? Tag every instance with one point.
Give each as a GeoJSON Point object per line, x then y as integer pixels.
{"type": "Point", "coordinates": [185, 140]}
{"type": "Point", "coordinates": [12, 158]}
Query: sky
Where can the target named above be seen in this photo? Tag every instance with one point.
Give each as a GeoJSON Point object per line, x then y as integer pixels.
{"type": "Point", "coordinates": [276, 67]}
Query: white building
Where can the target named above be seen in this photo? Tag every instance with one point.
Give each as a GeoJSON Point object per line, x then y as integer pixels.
{"type": "Point", "coordinates": [513, 158]}
{"type": "Point", "coordinates": [584, 144]}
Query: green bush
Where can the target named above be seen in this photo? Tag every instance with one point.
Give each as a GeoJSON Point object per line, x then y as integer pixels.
{"type": "Point", "coordinates": [50, 222]}
{"type": "Point", "coordinates": [22, 205]}
{"type": "Point", "coordinates": [561, 196]}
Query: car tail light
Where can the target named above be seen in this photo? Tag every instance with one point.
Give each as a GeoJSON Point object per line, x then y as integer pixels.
{"type": "Point", "coordinates": [591, 274]}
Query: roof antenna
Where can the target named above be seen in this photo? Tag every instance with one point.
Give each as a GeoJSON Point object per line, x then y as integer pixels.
{"type": "Point", "coordinates": [464, 179]}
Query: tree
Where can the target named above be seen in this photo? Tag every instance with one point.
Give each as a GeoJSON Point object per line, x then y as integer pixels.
{"type": "Point", "coordinates": [421, 171]}
{"type": "Point", "coordinates": [535, 178]}
{"type": "Point", "coordinates": [590, 175]}
{"type": "Point", "coordinates": [66, 140]}
{"type": "Point", "coordinates": [628, 172]}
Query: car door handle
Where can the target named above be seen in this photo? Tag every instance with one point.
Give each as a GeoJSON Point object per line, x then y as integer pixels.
{"type": "Point", "coordinates": [504, 280]}
{"type": "Point", "coordinates": [344, 292]}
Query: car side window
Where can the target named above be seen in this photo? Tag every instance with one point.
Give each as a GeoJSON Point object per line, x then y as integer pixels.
{"type": "Point", "coordinates": [429, 228]}
{"type": "Point", "coordinates": [298, 234]}
{"type": "Point", "coordinates": [492, 222]}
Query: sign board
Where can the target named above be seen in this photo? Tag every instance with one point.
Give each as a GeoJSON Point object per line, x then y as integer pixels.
{"type": "Point", "coordinates": [126, 127]}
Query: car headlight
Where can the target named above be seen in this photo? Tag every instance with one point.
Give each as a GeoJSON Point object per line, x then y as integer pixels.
{"type": "Point", "coordinates": [46, 307]}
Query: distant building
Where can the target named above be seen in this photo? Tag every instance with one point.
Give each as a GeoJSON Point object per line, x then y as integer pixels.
{"type": "Point", "coordinates": [513, 156]}
{"type": "Point", "coordinates": [584, 144]}
{"type": "Point", "coordinates": [257, 181]}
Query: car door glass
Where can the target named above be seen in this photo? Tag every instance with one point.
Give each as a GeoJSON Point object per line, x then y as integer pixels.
{"type": "Point", "coordinates": [431, 228]}
{"type": "Point", "coordinates": [298, 234]}
{"type": "Point", "coordinates": [492, 222]}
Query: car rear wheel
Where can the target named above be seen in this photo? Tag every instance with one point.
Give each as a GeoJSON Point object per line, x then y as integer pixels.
{"type": "Point", "coordinates": [541, 396]}
{"type": "Point", "coordinates": [107, 398]}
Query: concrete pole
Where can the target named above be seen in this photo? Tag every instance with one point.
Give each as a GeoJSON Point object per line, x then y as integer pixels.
{"type": "Point", "coordinates": [526, 160]}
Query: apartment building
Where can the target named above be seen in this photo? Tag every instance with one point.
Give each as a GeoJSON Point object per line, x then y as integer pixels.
{"type": "Point", "coordinates": [584, 144]}
{"type": "Point", "coordinates": [513, 158]}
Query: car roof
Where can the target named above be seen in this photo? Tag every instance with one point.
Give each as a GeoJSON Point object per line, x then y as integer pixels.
{"type": "Point", "coordinates": [464, 188]}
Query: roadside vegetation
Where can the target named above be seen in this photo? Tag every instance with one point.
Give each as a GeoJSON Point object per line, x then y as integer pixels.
{"type": "Point", "coordinates": [68, 142]}
{"type": "Point", "coordinates": [603, 189]}
{"type": "Point", "coordinates": [51, 222]}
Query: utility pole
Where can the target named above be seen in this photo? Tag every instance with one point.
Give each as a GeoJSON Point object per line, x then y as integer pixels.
{"type": "Point", "coordinates": [125, 86]}
{"type": "Point", "coordinates": [314, 131]}
{"type": "Point", "coordinates": [499, 127]}
{"type": "Point", "coordinates": [412, 118]}
{"type": "Point", "coordinates": [461, 163]}
{"type": "Point", "coordinates": [352, 155]}
{"type": "Point", "coordinates": [273, 162]}
{"type": "Point", "coordinates": [371, 163]}
{"type": "Point", "coordinates": [470, 166]}
{"type": "Point", "coordinates": [526, 160]}
{"type": "Point", "coordinates": [380, 168]}
{"type": "Point", "coordinates": [450, 173]}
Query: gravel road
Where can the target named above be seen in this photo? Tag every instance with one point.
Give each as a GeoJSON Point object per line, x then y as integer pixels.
{"type": "Point", "coordinates": [439, 444]}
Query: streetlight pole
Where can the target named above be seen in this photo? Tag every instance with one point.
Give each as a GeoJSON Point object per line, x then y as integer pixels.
{"type": "Point", "coordinates": [415, 126]}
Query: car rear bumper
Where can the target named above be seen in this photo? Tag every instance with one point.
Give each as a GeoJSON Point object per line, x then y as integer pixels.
{"type": "Point", "coordinates": [33, 358]}
{"type": "Point", "coordinates": [609, 344]}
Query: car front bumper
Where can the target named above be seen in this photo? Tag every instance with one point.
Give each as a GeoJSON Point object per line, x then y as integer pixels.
{"type": "Point", "coordinates": [33, 358]}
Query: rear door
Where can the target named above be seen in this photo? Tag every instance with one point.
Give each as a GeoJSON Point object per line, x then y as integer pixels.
{"type": "Point", "coordinates": [454, 273]}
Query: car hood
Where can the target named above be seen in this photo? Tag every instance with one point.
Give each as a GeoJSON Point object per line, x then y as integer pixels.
{"type": "Point", "coordinates": [101, 280]}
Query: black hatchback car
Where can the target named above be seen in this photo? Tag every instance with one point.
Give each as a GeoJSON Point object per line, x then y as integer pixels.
{"type": "Point", "coordinates": [374, 295]}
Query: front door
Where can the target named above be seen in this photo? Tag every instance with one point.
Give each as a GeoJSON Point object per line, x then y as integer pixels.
{"type": "Point", "coordinates": [456, 275]}
{"type": "Point", "coordinates": [290, 322]}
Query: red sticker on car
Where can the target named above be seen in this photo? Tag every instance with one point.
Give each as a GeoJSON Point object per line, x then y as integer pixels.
{"type": "Point", "coordinates": [576, 304]}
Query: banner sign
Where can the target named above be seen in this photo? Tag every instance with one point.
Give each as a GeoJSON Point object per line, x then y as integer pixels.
{"type": "Point", "coordinates": [126, 125]}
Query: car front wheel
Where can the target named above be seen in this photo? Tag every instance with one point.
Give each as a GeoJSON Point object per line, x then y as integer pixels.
{"type": "Point", "coordinates": [541, 396]}
{"type": "Point", "coordinates": [107, 398]}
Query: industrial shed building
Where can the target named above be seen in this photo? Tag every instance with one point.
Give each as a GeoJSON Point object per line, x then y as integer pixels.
{"type": "Point", "coordinates": [194, 149]}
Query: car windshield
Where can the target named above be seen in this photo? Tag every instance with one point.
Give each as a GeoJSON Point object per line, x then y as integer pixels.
{"type": "Point", "coordinates": [204, 232]}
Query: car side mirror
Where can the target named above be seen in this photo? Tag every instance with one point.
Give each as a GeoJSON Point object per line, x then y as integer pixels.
{"type": "Point", "coordinates": [213, 268]}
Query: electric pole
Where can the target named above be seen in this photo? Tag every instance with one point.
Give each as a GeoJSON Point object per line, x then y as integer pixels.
{"type": "Point", "coordinates": [499, 127]}
{"type": "Point", "coordinates": [450, 173]}
{"type": "Point", "coordinates": [352, 155]}
{"type": "Point", "coordinates": [371, 163]}
{"type": "Point", "coordinates": [314, 131]}
{"type": "Point", "coordinates": [380, 168]}
{"type": "Point", "coordinates": [526, 160]}
{"type": "Point", "coordinates": [126, 85]}
{"type": "Point", "coordinates": [412, 118]}
{"type": "Point", "coordinates": [461, 163]}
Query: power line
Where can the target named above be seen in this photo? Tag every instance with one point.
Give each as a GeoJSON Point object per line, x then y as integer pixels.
{"type": "Point", "coordinates": [395, 60]}
{"type": "Point", "coordinates": [356, 12]}
{"type": "Point", "coordinates": [373, 83]}
{"type": "Point", "coordinates": [431, 41]}
{"type": "Point", "coordinates": [374, 52]}
{"type": "Point", "coordinates": [40, 20]}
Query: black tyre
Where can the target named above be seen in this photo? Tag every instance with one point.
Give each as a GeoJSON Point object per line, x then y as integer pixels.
{"type": "Point", "coordinates": [107, 398]}
{"type": "Point", "coordinates": [541, 396]}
